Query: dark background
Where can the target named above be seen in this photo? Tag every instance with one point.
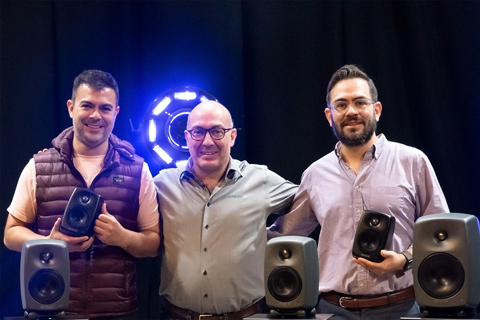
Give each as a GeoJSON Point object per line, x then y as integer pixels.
{"type": "Point", "coordinates": [269, 62]}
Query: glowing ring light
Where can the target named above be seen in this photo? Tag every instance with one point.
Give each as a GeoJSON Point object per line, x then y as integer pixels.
{"type": "Point", "coordinates": [166, 120]}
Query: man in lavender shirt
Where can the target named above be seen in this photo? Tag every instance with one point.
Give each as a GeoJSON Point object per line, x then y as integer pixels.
{"type": "Point", "coordinates": [364, 172]}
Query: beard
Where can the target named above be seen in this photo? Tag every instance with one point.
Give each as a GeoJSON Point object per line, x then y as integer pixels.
{"type": "Point", "coordinates": [355, 139]}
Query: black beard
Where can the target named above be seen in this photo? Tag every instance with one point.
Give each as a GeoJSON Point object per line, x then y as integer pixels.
{"type": "Point", "coordinates": [356, 139]}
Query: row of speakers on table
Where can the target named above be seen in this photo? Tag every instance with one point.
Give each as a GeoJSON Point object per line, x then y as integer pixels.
{"type": "Point", "coordinates": [446, 264]}
{"type": "Point", "coordinates": [446, 267]}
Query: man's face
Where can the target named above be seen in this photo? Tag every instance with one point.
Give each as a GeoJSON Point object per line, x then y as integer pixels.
{"type": "Point", "coordinates": [93, 114]}
{"type": "Point", "coordinates": [210, 156]}
{"type": "Point", "coordinates": [353, 127]}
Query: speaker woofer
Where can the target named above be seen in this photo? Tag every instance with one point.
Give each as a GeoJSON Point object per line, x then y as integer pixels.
{"type": "Point", "coordinates": [285, 284]}
{"type": "Point", "coordinates": [78, 217]}
{"type": "Point", "coordinates": [46, 286]}
{"type": "Point", "coordinates": [441, 275]}
{"type": "Point", "coordinates": [369, 241]}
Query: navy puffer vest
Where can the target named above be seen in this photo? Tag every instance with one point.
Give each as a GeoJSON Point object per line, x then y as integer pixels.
{"type": "Point", "coordinates": [102, 279]}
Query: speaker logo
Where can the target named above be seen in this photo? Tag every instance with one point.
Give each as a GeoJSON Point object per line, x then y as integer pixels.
{"type": "Point", "coordinates": [374, 233]}
{"type": "Point", "coordinates": [44, 277]}
{"type": "Point", "coordinates": [81, 212]}
{"type": "Point", "coordinates": [446, 263]}
{"type": "Point", "coordinates": [291, 275]}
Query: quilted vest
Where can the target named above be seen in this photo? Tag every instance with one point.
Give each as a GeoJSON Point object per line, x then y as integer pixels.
{"type": "Point", "coordinates": [102, 279]}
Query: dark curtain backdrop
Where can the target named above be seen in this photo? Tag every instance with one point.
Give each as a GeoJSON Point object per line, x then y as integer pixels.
{"type": "Point", "coordinates": [267, 61]}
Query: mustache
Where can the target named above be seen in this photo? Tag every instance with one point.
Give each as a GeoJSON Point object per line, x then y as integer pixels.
{"type": "Point", "coordinates": [351, 119]}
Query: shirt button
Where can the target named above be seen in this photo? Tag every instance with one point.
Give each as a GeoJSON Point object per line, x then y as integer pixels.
{"type": "Point", "coordinates": [206, 227]}
{"type": "Point", "coordinates": [205, 249]}
{"type": "Point", "coordinates": [205, 272]}
{"type": "Point", "coordinates": [208, 204]}
{"type": "Point", "coordinates": [205, 295]}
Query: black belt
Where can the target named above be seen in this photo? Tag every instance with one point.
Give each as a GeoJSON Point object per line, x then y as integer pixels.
{"type": "Point", "coordinates": [360, 302]}
{"type": "Point", "coordinates": [191, 315]}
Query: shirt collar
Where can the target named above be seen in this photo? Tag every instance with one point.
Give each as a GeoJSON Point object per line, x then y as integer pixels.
{"type": "Point", "coordinates": [233, 171]}
{"type": "Point", "coordinates": [376, 149]}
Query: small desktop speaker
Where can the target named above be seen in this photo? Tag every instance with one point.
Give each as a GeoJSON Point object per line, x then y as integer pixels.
{"type": "Point", "coordinates": [374, 233]}
{"type": "Point", "coordinates": [44, 277]}
{"type": "Point", "coordinates": [291, 274]}
{"type": "Point", "coordinates": [446, 263]}
{"type": "Point", "coordinates": [81, 212]}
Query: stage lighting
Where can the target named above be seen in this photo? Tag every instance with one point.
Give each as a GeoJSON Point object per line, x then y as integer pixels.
{"type": "Point", "coordinates": [165, 122]}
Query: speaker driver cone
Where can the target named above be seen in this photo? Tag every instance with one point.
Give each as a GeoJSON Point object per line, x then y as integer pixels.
{"type": "Point", "coordinates": [285, 284]}
{"type": "Point", "coordinates": [78, 217]}
{"type": "Point", "coordinates": [46, 286]}
{"type": "Point", "coordinates": [369, 241]}
{"type": "Point", "coordinates": [441, 275]}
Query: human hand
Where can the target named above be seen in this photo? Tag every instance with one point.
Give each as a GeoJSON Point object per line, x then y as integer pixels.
{"type": "Point", "coordinates": [392, 262]}
{"type": "Point", "coordinates": [108, 229]}
{"type": "Point", "coordinates": [75, 244]}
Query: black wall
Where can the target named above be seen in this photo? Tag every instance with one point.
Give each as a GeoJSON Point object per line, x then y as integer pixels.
{"type": "Point", "coordinates": [267, 61]}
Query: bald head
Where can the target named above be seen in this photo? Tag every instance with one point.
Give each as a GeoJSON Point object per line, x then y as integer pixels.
{"type": "Point", "coordinates": [210, 111]}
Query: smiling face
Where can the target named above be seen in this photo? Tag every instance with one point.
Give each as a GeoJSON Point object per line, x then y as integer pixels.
{"type": "Point", "coordinates": [353, 127]}
{"type": "Point", "coordinates": [93, 114]}
{"type": "Point", "coordinates": [210, 157]}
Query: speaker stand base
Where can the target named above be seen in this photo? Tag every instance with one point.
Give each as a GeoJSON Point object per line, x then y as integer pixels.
{"type": "Point", "coordinates": [420, 316]}
{"type": "Point", "coordinates": [262, 316]}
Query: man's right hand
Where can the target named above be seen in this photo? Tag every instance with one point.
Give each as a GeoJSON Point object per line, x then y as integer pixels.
{"type": "Point", "coordinates": [75, 244]}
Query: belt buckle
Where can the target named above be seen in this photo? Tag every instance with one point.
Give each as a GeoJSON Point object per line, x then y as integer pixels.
{"type": "Point", "coordinates": [340, 300]}
{"type": "Point", "coordinates": [203, 316]}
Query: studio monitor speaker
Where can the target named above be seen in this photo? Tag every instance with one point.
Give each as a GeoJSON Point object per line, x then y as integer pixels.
{"type": "Point", "coordinates": [374, 233]}
{"type": "Point", "coordinates": [44, 277]}
{"type": "Point", "coordinates": [81, 212]}
{"type": "Point", "coordinates": [446, 263]}
{"type": "Point", "coordinates": [291, 274]}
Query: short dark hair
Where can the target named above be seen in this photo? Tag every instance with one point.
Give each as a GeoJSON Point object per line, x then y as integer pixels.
{"type": "Point", "coordinates": [97, 80]}
{"type": "Point", "coordinates": [351, 71]}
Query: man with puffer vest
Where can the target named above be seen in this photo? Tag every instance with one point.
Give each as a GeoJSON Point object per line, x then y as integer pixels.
{"type": "Point", "coordinates": [88, 155]}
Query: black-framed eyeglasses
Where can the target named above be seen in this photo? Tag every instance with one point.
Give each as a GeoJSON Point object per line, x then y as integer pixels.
{"type": "Point", "coordinates": [217, 133]}
{"type": "Point", "coordinates": [359, 104]}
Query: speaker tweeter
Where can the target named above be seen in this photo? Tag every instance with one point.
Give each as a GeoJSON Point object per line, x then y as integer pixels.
{"type": "Point", "coordinates": [44, 278]}
{"type": "Point", "coordinates": [374, 233]}
{"type": "Point", "coordinates": [291, 276]}
{"type": "Point", "coordinates": [446, 264]}
{"type": "Point", "coordinates": [81, 212]}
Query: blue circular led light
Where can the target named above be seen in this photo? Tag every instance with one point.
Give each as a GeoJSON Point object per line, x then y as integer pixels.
{"type": "Point", "coordinates": [166, 120]}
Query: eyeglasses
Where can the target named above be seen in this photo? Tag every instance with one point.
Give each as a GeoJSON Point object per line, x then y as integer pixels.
{"type": "Point", "coordinates": [359, 104]}
{"type": "Point", "coordinates": [198, 134]}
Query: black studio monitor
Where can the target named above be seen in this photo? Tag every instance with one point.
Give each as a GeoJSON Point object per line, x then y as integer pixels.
{"type": "Point", "coordinates": [446, 264]}
{"type": "Point", "coordinates": [374, 233]}
{"type": "Point", "coordinates": [291, 275]}
{"type": "Point", "coordinates": [44, 278]}
{"type": "Point", "coordinates": [81, 212]}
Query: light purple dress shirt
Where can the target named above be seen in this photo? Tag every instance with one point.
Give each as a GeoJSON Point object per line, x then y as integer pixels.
{"type": "Point", "coordinates": [213, 260]}
{"type": "Point", "coordinates": [393, 178]}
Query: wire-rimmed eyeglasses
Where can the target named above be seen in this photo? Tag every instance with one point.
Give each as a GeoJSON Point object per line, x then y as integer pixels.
{"type": "Point", "coordinates": [217, 133]}
{"type": "Point", "coordinates": [359, 104]}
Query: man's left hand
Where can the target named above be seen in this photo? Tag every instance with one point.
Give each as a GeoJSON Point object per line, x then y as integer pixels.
{"type": "Point", "coordinates": [108, 229]}
{"type": "Point", "coordinates": [392, 262]}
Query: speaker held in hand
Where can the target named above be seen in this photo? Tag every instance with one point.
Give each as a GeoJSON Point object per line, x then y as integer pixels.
{"type": "Point", "coordinates": [374, 234]}
{"type": "Point", "coordinates": [446, 264]}
{"type": "Point", "coordinates": [291, 276]}
{"type": "Point", "coordinates": [44, 278]}
{"type": "Point", "coordinates": [81, 212]}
